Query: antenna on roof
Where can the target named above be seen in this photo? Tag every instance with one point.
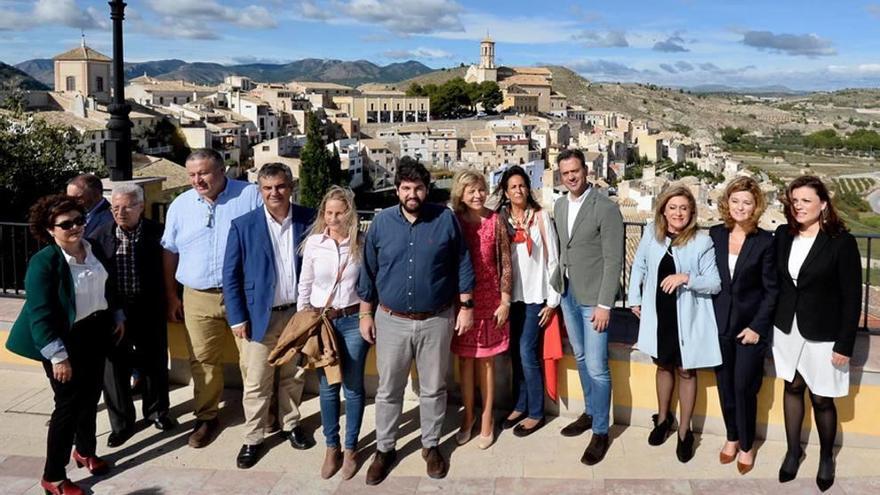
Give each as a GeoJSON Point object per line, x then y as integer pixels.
{"type": "Point", "coordinates": [83, 38]}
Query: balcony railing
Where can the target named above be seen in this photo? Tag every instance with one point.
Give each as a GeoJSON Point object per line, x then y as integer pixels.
{"type": "Point", "coordinates": [17, 246]}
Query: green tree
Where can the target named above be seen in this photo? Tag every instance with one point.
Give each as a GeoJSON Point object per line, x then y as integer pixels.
{"type": "Point", "coordinates": [315, 172]}
{"type": "Point", "coordinates": [37, 159]}
{"type": "Point", "coordinates": [490, 95]}
{"type": "Point", "coordinates": [824, 139]}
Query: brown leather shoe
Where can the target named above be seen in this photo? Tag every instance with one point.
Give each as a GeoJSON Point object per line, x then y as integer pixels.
{"type": "Point", "coordinates": [381, 466]}
{"type": "Point", "coordinates": [203, 433]}
{"type": "Point", "coordinates": [596, 450]}
{"type": "Point", "coordinates": [349, 464]}
{"type": "Point", "coordinates": [332, 462]}
{"type": "Point", "coordinates": [437, 467]}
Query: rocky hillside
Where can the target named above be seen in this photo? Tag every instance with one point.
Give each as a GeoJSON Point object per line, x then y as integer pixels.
{"type": "Point", "coordinates": [12, 78]}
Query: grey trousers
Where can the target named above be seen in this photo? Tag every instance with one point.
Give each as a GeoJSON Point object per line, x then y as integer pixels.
{"type": "Point", "coordinates": [399, 341]}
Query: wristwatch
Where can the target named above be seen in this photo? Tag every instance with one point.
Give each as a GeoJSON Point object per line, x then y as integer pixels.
{"type": "Point", "coordinates": [469, 304]}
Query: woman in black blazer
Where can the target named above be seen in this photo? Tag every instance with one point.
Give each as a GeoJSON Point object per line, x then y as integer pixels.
{"type": "Point", "coordinates": [744, 312]}
{"type": "Point", "coordinates": [817, 314]}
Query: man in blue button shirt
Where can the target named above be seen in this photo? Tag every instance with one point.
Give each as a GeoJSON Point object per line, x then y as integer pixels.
{"type": "Point", "coordinates": [196, 228]}
{"type": "Point", "coordinates": [417, 268]}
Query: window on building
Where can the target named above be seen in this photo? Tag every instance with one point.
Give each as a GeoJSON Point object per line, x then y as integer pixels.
{"type": "Point", "coordinates": [161, 100]}
{"type": "Point", "coordinates": [265, 148]}
{"type": "Point", "coordinates": [70, 83]}
{"type": "Point", "coordinates": [99, 84]}
{"type": "Point", "coordinates": [174, 99]}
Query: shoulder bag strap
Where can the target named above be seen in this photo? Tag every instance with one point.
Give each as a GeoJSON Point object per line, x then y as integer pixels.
{"type": "Point", "coordinates": [332, 294]}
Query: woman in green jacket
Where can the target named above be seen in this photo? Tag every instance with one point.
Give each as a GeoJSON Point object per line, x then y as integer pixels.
{"type": "Point", "coordinates": [67, 324]}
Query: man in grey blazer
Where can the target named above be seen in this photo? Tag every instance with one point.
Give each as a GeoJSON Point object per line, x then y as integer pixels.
{"type": "Point", "coordinates": [590, 230]}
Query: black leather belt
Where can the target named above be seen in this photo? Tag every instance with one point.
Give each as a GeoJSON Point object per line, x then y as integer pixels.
{"type": "Point", "coordinates": [284, 307]}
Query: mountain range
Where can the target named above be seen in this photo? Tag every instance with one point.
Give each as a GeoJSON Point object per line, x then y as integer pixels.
{"type": "Point", "coordinates": [310, 69]}
{"type": "Point", "coordinates": [14, 78]}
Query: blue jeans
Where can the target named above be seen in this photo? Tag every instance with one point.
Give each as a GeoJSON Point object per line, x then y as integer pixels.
{"type": "Point", "coordinates": [353, 353]}
{"type": "Point", "coordinates": [525, 347]}
{"type": "Point", "coordinates": [591, 354]}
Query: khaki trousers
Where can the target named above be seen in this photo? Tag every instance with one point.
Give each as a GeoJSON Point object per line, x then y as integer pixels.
{"type": "Point", "coordinates": [207, 333]}
{"type": "Point", "coordinates": [261, 381]}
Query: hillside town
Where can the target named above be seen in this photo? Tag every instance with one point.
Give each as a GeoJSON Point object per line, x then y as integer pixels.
{"type": "Point", "coordinates": [251, 123]}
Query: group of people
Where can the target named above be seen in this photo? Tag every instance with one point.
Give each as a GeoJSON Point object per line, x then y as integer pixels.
{"type": "Point", "coordinates": [236, 262]}
{"type": "Point", "coordinates": [720, 299]}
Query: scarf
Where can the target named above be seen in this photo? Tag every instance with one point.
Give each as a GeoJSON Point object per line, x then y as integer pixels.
{"type": "Point", "coordinates": [521, 228]}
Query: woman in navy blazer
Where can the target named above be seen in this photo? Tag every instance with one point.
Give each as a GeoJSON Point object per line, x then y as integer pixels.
{"type": "Point", "coordinates": [744, 313]}
{"type": "Point", "coordinates": [817, 314]}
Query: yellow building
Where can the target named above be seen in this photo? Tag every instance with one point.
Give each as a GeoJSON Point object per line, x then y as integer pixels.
{"type": "Point", "coordinates": [83, 71]}
{"type": "Point", "coordinates": [385, 107]}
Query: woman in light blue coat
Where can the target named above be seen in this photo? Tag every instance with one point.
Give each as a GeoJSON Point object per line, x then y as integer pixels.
{"type": "Point", "coordinates": [673, 278]}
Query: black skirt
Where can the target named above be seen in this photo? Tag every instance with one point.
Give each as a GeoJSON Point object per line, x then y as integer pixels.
{"type": "Point", "coordinates": [668, 350]}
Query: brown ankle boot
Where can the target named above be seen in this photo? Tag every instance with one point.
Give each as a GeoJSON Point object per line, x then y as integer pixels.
{"type": "Point", "coordinates": [332, 462]}
{"type": "Point", "coordinates": [349, 464]}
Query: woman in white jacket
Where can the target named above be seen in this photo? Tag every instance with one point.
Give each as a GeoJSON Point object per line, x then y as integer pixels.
{"type": "Point", "coordinates": [534, 256]}
{"type": "Point", "coordinates": [673, 278]}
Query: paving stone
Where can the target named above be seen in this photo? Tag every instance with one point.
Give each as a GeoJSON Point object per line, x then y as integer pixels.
{"type": "Point", "coordinates": [302, 484]}
{"type": "Point", "coordinates": [14, 485]}
{"type": "Point", "coordinates": [393, 485]}
{"type": "Point", "coordinates": [466, 486]}
{"type": "Point", "coordinates": [530, 486]}
{"type": "Point", "coordinates": [638, 487]}
{"type": "Point", "coordinates": [22, 466]}
{"type": "Point", "coordinates": [244, 482]}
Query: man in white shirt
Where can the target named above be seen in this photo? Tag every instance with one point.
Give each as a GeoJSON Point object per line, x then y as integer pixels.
{"type": "Point", "coordinates": [590, 229]}
{"type": "Point", "coordinates": [260, 274]}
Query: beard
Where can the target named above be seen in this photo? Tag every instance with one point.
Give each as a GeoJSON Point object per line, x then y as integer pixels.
{"type": "Point", "coordinates": [412, 210]}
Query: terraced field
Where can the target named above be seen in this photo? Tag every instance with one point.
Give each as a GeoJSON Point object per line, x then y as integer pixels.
{"type": "Point", "coordinates": [859, 185]}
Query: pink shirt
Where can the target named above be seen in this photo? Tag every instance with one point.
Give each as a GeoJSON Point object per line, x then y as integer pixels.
{"type": "Point", "coordinates": [320, 265]}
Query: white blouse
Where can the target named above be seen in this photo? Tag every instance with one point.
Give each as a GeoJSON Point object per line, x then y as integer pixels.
{"type": "Point", "coordinates": [800, 248]}
{"type": "Point", "coordinates": [531, 281]}
{"type": "Point", "coordinates": [731, 263]}
{"type": "Point", "coordinates": [320, 266]}
{"type": "Point", "coordinates": [89, 283]}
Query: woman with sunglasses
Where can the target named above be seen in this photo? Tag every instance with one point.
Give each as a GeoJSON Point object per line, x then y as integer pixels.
{"type": "Point", "coordinates": [66, 323]}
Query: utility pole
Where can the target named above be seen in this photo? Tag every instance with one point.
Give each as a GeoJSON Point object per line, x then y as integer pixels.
{"type": "Point", "coordinates": [118, 146]}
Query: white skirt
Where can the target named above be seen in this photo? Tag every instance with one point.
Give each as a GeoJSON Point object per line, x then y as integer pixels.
{"type": "Point", "coordinates": [812, 359]}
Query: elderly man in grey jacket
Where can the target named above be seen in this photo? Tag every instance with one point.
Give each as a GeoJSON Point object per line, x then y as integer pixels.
{"type": "Point", "coordinates": [590, 229]}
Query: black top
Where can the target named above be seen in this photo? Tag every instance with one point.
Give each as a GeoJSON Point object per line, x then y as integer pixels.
{"type": "Point", "coordinates": [827, 297]}
{"type": "Point", "coordinates": [668, 350]}
{"type": "Point", "coordinates": [748, 298]}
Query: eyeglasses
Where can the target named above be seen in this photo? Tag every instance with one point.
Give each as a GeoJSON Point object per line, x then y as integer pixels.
{"type": "Point", "coordinates": [69, 224]}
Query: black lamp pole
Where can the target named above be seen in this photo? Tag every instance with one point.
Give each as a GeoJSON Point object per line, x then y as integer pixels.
{"type": "Point", "coordinates": [117, 150]}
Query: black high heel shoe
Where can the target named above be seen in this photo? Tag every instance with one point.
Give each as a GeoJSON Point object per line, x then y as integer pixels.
{"type": "Point", "coordinates": [825, 476]}
{"type": "Point", "coordinates": [791, 463]}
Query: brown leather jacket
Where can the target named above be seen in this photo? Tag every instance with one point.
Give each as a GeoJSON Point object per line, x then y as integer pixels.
{"type": "Point", "coordinates": [310, 333]}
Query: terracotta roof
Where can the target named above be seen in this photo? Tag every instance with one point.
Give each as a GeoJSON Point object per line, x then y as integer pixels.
{"type": "Point", "coordinates": [526, 80]}
{"type": "Point", "coordinates": [68, 119]}
{"type": "Point", "coordinates": [317, 85]}
{"type": "Point", "coordinates": [83, 53]}
{"type": "Point", "coordinates": [543, 71]}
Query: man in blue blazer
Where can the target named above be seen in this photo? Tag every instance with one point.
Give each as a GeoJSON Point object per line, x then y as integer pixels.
{"type": "Point", "coordinates": [260, 274]}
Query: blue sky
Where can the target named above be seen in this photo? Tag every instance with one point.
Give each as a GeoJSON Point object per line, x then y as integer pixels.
{"type": "Point", "coordinates": [803, 44]}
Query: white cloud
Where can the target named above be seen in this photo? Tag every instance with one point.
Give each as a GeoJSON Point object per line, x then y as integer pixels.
{"type": "Point", "coordinates": [398, 16]}
{"type": "Point", "coordinates": [518, 30]}
{"type": "Point", "coordinates": [809, 45]}
{"type": "Point", "coordinates": [53, 12]}
{"type": "Point", "coordinates": [609, 39]}
{"type": "Point", "coordinates": [873, 9]}
{"type": "Point", "coordinates": [422, 53]}
{"type": "Point", "coordinates": [179, 12]}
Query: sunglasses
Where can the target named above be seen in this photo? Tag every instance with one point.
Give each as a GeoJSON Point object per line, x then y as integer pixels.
{"type": "Point", "coordinates": [69, 224]}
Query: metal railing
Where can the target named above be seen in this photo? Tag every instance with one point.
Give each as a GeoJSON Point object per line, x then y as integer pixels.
{"type": "Point", "coordinates": [17, 246]}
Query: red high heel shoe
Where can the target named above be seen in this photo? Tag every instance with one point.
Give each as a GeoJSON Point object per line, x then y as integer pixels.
{"type": "Point", "coordinates": [93, 463]}
{"type": "Point", "coordinates": [66, 487]}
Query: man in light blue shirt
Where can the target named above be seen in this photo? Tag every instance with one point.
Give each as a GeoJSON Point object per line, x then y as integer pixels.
{"type": "Point", "coordinates": [196, 227]}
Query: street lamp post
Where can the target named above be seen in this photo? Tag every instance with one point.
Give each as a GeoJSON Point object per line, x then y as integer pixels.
{"type": "Point", "coordinates": [117, 151]}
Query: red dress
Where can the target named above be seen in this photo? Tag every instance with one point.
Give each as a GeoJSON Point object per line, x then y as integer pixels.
{"type": "Point", "coordinates": [485, 339]}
